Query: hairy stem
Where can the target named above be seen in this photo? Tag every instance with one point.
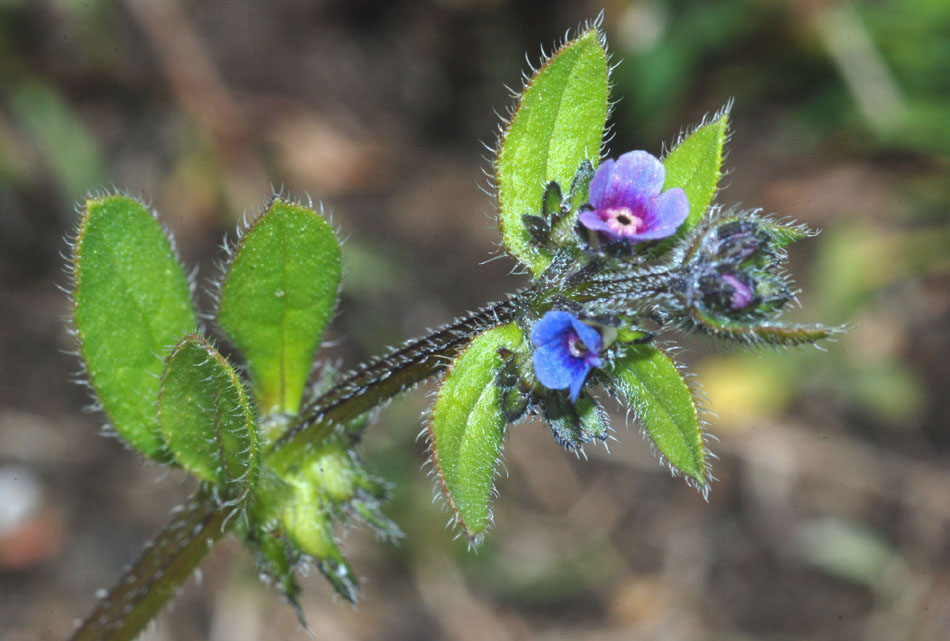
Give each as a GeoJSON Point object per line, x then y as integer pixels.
{"type": "Point", "coordinates": [165, 564]}
{"type": "Point", "coordinates": [386, 376]}
{"type": "Point", "coordinates": [175, 553]}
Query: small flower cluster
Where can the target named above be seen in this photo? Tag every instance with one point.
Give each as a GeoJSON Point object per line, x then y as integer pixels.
{"type": "Point", "coordinates": [722, 278]}
{"type": "Point", "coordinates": [626, 207]}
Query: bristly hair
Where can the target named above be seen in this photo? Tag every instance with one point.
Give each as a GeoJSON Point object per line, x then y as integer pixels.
{"type": "Point", "coordinates": [700, 401]}
{"type": "Point", "coordinates": [441, 343]}
{"type": "Point", "coordinates": [505, 119]}
{"type": "Point", "coordinates": [73, 241]}
{"type": "Point", "coordinates": [708, 118]}
{"type": "Point", "coordinates": [232, 246]}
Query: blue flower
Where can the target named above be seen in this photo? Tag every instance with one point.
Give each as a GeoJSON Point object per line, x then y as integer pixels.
{"type": "Point", "coordinates": [626, 203]}
{"type": "Point", "coordinates": [566, 349]}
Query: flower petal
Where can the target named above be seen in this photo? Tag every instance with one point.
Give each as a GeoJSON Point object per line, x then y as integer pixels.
{"type": "Point", "coordinates": [598, 184]}
{"type": "Point", "coordinates": [591, 220]}
{"type": "Point", "coordinates": [551, 327]}
{"type": "Point", "coordinates": [554, 368]}
{"type": "Point", "coordinates": [637, 176]}
{"type": "Point", "coordinates": [741, 293]}
{"type": "Point", "coordinates": [577, 383]}
{"type": "Point", "coordinates": [667, 213]}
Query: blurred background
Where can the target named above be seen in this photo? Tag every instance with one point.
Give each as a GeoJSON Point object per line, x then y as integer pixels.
{"type": "Point", "coordinates": [831, 516]}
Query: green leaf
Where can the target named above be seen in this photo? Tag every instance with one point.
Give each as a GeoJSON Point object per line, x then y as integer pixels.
{"type": "Point", "coordinates": [132, 304]}
{"type": "Point", "coordinates": [559, 123]}
{"type": "Point", "coordinates": [277, 298]}
{"type": "Point", "coordinates": [650, 383]}
{"type": "Point", "coordinates": [467, 425]}
{"type": "Point", "coordinates": [695, 165]}
{"type": "Point", "coordinates": [207, 418]}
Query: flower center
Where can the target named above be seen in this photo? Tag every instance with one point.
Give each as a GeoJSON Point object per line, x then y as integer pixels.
{"type": "Point", "coordinates": [624, 221]}
{"type": "Point", "coordinates": [576, 347]}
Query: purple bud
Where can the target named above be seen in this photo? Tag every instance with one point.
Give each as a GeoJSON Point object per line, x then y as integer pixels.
{"type": "Point", "coordinates": [741, 293]}
{"type": "Point", "coordinates": [726, 291]}
{"type": "Point", "coordinates": [737, 240]}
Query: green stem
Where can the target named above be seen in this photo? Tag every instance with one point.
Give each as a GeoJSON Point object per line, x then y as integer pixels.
{"type": "Point", "coordinates": [173, 556]}
{"type": "Point", "coordinates": [166, 563]}
{"type": "Point", "coordinates": [175, 553]}
{"type": "Point", "coordinates": [387, 376]}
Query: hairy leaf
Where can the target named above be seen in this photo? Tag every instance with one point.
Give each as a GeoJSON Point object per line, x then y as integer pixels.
{"type": "Point", "coordinates": [207, 419]}
{"type": "Point", "coordinates": [695, 165]}
{"type": "Point", "coordinates": [650, 383]}
{"type": "Point", "coordinates": [277, 298]}
{"type": "Point", "coordinates": [467, 425]}
{"type": "Point", "coordinates": [559, 123]}
{"type": "Point", "coordinates": [761, 332]}
{"type": "Point", "coordinates": [132, 304]}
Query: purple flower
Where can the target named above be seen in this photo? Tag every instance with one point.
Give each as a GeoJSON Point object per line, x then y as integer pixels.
{"type": "Point", "coordinates": [741, 294]}
{"type": "Point", "coordinates": [566, 349]}
{"type": "Point", "coordinates": [626, 203]}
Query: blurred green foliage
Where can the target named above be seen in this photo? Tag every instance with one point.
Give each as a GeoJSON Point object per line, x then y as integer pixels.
{"type": "Point", "coordinates": [784, 54]}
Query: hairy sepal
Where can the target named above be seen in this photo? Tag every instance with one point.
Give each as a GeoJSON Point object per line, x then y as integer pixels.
{"type": "Point", "coordinates": [758, 333]}
{"type": "Point", "coordinates": [306, 505]}
{"type": "Point", "coordinates": [573, 425]}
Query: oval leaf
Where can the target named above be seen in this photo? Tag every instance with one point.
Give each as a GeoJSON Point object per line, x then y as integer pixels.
{"type": "Point", "coordinates": [132, 304]}
{"type": "Point", "coordinates": [467, 425]}
{"type": "Point", "coordinates": [695, 165]}
{"type": "Point", "coordinates": [277, 297]}
{"type": "Point", "coordinates": [207, 419]}
{"type": "Point", "coordinates": [559, 123]}
{"type": "Point", "coordinates": [649, 382]}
